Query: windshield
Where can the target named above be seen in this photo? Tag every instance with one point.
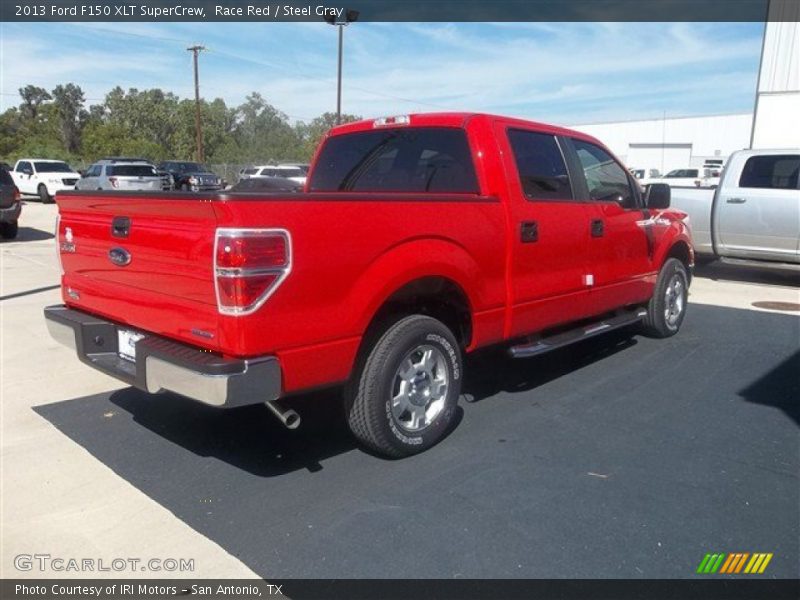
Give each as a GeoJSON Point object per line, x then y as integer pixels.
{"type": "Point", "coordinates": [289, 173]}
{"type": "Point", "coordinates": [132, 171]}
{"type": "Point", "coordinates": [192, 168]}
{"type": "Point", "coordinates": [52, 167]}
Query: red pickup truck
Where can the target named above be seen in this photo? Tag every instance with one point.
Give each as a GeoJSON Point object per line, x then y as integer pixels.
{"type": "Point", "coordinates": [418, 239]}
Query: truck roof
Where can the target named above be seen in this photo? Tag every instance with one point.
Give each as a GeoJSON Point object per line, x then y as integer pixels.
{"type": "Point", "coordinates": [452, 119]}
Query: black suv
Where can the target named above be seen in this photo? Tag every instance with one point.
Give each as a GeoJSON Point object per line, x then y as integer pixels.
{"type": "Point", "coordinates": [10, 206]}
{"type": "Point", "coordinates": [191, 176]}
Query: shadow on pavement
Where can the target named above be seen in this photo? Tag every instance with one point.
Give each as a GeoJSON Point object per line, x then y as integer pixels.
{"type": "Point", "coordinates": [768, 275]}
{"type": "Point", "coordinates": [780, 388]}
{"type": "Point", "coordinates": [30, 234]}
{"type": "Point", "coordinates": [492, 371]}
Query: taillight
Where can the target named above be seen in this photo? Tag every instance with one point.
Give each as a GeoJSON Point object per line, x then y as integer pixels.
{"type": "Point", "coordinates": [58, 243]}
{"type": "Point", "coordinates": [249, 265]}
{"type": "Point", "coordinates": [113, 181]}
{"type": "Point", "coordinates": [16, 194]}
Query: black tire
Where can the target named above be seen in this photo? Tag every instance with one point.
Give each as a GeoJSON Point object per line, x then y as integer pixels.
{"type": "Point", "coordinates": [185, 187]}
{"type": "Point", "coordinates": [43, 195]}
{"type": "Point", "coordinates": [369, 402]}
{"type": "Point", "coordinates": [671, 292]}
{"type": "Point", "coordinates": [8, 231]}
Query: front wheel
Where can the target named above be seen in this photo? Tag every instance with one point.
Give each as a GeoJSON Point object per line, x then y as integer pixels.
{"type": "Point", "coordinates": [403, 400]}
{"type": "Point", "coordinates": [667, 307]}
{"type": "Point", "coordinates": [44, 195]}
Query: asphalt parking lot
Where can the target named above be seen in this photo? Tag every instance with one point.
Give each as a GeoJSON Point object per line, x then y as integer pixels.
{"type": "Point", "coordinates": [623, 457]}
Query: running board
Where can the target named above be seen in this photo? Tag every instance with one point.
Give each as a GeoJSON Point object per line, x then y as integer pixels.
{"type": "Point", "coordinates": [559, 340]}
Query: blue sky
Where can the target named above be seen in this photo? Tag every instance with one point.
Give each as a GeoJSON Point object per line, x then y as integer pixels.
{"type": "Point", "coordinates": [566, 73]}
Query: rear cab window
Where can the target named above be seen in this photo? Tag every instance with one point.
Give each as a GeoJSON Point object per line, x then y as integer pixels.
{"type": "Point", "coordinates": [412, 159]}
{"type": "Point", "coordinates": [777, 171]}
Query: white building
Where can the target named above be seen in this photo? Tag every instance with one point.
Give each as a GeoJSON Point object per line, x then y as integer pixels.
{"type": "Point", "coordinates": [675, 142]}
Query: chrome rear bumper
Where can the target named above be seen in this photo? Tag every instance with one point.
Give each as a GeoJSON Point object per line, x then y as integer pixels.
{"type": "Point", "coordinates": [165, 365]}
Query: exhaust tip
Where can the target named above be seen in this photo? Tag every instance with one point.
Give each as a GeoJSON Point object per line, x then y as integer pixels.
{"type": "Point", "coordinates": [287, 416]}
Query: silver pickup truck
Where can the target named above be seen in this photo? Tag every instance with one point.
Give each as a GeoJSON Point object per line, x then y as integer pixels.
{"type": "Point", "coordinates": [753, 215]}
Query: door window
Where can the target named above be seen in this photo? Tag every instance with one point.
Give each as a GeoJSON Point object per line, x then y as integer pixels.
{"type": "Point", "coordinates": [540, 164]}
{"type": "Point", "coordinates": [606, 179]}
{"type": "Point", "coordinates": [777, 171]}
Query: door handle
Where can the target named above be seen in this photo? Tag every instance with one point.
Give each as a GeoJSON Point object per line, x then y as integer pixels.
{"type": "Point", "coordinates": [736, 200]}
{"type": "Point", "coordinates": [597, 228]}
{"type": "Point", "coordinates": [529, 232]}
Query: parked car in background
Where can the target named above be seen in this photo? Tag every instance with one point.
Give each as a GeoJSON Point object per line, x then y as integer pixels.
{"type": "Point", "coordinates": [421, 238]}
{"type": "Point", "coordinates": [191, 176]}
{"type": "Point", "coordinates": [123, 174]}
{"type": "Point", "coordinates": [295, 174]}
{"type": "Point", "coordinates": [10, 206]}
{"type": "Point", "coordinates": [754, 213]}
{"type": "Point", "coordinates": [43, 178]}
{"type": "Point", "coordinates": [304, 167]}
{"type": "Point", "coordinates": [678, 178]}
{"type": "Point", "coordinates": [266, 184]}
{"type": "Point", "coordinates": [642, 174]}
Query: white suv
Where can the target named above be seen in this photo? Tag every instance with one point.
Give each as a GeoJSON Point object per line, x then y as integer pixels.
{"type": "Point", "coordinates": [42, 177]}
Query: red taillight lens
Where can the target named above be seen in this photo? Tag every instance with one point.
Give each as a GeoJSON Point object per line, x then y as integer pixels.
{"type": "Point", "coordinates": [16, 195]}
{"type": "Point", "coordinates": [236, 251]}
{"type": "Point", "coordinates": [249, 265]}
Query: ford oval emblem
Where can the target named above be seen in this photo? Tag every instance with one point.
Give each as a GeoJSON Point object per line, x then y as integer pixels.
{"type": "Point", "coordinates": [119, 256]}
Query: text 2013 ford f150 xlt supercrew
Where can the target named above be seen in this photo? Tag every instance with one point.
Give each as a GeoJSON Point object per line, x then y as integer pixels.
{"type": "Point", "coordinates": [419, 238]}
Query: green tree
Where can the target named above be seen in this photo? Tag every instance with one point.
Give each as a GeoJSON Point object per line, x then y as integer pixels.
{"type": "Point", "coordinates": [68, 101]}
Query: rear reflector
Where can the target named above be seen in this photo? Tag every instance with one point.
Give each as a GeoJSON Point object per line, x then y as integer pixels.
{"type": "Point", "coordinates": [249, 265]}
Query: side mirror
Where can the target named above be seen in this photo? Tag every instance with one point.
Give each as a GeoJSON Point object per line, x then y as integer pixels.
{"type": "Point", "coordinates": [657, 195]}
{"type": "Point", "coordinates": [28, 172]}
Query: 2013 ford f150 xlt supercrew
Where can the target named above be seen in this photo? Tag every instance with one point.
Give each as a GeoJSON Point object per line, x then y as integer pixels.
{"type": "Point", "coordinates": [419, 239]}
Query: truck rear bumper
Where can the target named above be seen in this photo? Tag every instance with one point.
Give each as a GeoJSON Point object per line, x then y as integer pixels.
{"type": "Point", "coordinates": [165, 365]}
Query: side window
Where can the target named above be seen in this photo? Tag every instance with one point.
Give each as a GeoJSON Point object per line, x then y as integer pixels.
{"type": "Point", "coordinates": [93, 171]}
{"type": "Point", "coordinates": [541, 167]}
{"type": "Point", "coordinates": [778, 171]}
{"type": "Point", "coordinates": [606, 179]}
{"type": "Point", "coordinates": [24, 166]}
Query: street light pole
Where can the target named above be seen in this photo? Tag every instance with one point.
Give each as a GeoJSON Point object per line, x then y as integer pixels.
{"type": "Point", "coordinates": [348, 17]}
{"type": "Point", "coordinates": [339, 78]}
{"type": "Point", "coordinates": [195, 50]}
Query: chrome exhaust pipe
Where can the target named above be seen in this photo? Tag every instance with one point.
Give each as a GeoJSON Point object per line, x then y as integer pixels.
{"type": "Point", "coordinates": [287, 416]}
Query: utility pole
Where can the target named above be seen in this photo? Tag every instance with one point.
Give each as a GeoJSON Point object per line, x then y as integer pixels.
{"type": "Point", "coordinates": [196, 50]}
{"type": "Point", "coordinates": [349, 16]}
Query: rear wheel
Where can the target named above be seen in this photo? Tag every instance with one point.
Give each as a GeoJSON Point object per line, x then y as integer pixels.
{"type": "Point", "coordinates": [8, 231]}
{"type": "Point", "coordinates": [403, 400]}
{"type": "Point", "coordinates": [44, 195]}
{"type": "Point", "coordinates": [667, 307]}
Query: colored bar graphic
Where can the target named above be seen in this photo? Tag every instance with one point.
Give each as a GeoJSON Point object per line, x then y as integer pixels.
{"type": "Point", "coordinates": [734, 563]}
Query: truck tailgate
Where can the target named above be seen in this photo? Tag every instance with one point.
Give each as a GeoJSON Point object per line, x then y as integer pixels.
{"type": "Point", "coordinates": [142, 260]}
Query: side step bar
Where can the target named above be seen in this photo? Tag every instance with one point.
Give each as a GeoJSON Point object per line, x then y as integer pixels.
{"type": "Point", "coordinates": [559, 340]}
